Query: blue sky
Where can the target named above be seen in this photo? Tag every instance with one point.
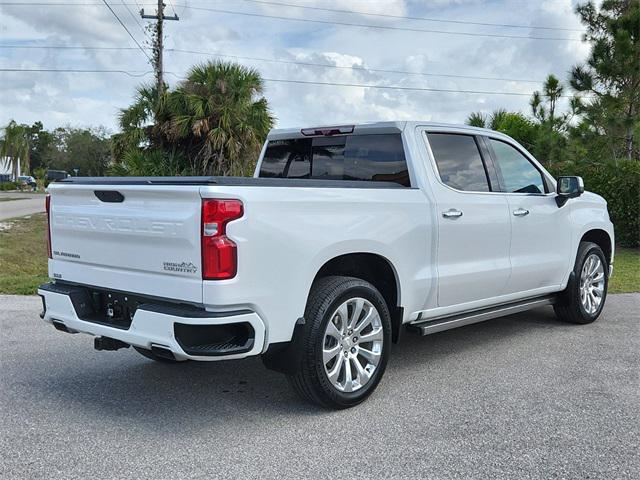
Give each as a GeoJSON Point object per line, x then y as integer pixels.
{"type": "Point", "coordinates": [91, 99]}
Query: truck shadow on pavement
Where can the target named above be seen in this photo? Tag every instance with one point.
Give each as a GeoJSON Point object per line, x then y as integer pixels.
{"type": "Point", "coordinates": [124, 385]}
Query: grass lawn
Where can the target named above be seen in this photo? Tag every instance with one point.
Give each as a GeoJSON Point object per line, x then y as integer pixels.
{"type": "Point", "coordinates": [23, 259]}
{"type": "Point", "coordinates": [23, 254]}
{"type": "Point", "coordinates": [626, 271]}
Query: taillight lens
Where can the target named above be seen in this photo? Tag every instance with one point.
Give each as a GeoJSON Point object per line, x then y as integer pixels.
{"type": "Point", "coordinates": [47, 207]}
{"type": "Point", "coordinates": [219, 253]}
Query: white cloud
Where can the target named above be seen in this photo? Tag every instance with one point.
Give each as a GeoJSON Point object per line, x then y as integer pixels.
{"type": "Point", "coordinates": [90, 99]}
{"type": "Point", "coordinates": [375, 7]}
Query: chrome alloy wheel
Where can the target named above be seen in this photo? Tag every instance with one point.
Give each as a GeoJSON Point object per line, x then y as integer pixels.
{"type": "Point", "coordinates": [592, 284]}
{"type": "Point", "coordinates": [352, 344]}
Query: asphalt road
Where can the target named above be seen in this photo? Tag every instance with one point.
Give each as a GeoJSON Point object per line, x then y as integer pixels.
{"type": "Point", "coordinates": [27, 204]}
{"type": "Point", "coordinates": [515, 398]}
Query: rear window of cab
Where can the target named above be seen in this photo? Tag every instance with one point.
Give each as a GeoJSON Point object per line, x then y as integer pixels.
{"type": "Point", "coordinates": [378, 158]}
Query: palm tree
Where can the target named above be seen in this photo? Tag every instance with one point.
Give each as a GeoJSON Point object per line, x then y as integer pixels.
{"type": "Point", "coordinates": [138, 120]}
{"type": "Point", "coordinates": [217, 119]}
{"type": "Point", "coordinates": [477, 119]}
{"type": "Point", "coordinates": [14, 147]}
{"type": "Point", "coordinates": [220, 112]}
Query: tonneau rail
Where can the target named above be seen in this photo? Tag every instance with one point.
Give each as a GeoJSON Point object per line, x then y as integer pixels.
{"type": "Point", "coordinates": [228, 181]}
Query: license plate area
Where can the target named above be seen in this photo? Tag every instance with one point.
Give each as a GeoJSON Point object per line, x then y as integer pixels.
{"type": "Point", "coordinates": [110, 308]}
{"type": "Point", "coordinates": [115, 308]}
{"type": "Point", "coordinates": [106, 307]}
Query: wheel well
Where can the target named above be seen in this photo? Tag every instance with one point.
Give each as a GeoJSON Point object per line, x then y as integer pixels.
{"type": "Point", "coordinates": [600, 238]}
{"type": "Point", "coordinates": [374, 269]}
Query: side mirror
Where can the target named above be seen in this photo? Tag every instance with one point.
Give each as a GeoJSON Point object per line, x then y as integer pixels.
{"type": "Point", "coordinates": [568, 187]}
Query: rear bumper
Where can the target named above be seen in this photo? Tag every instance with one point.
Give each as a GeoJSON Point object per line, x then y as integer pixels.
{"type": "Point", "coordinates": [185, 332]}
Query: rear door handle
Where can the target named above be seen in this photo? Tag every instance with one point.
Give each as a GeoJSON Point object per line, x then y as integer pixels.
{"type": "Point", "coordinates": [521, 212]}
{"type": "Point", "coordinates": [452, 213]}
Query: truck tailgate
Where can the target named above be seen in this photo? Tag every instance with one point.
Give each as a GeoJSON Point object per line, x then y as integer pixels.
{"type": "Point", "coordinates": [133, 238]}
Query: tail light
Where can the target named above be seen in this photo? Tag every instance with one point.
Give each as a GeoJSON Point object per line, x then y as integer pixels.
{"type": "Point", "coordinates": [219, 253]}
{"type": "Point", "coordinates": [47, 207]}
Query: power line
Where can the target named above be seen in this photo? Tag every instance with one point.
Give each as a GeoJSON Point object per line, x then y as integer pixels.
{"type": "Point", "coordinates": [134, 18]}
{"type": "Point", "coordinates": [345, 24]}
{"type": "Point", "coordinates": [126, 29]}
{"type": "Point", "coordinates": [394, 87]}
{"type": "Point", "coordinates": [356, 68]}
{"type": "Point", "coordinates": [326, 9]}
{"type": "Point", "coordinates": [286, 62]}
{"type": "Point", "coordinates": [379, 27]}
{"type": "Point", "coordinates": [68, 70]}
{"type": "Point", "coordinates": [66, 47]}
{"type": "Point", "coordinates": [406, 17]}
{"type": "Point", "coordinates": [301, 82]}
{"type": "Point", "coordinates": [58, 4]}
{"type": "Point", "coordinates": [173, 9]}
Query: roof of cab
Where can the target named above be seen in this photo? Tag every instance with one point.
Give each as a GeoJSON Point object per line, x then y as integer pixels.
{"type": "Point", "coordinates": [377, 127]}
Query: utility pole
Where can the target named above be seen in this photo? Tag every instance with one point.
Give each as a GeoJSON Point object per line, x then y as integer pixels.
{"type": "Point", "coordinates": [160, 17]}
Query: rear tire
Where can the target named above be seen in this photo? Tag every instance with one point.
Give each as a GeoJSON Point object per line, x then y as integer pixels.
{"type": "Point", "coordinates": [345, 343]}
{"type": "Point", "coordinates": [583, 300]}
{"type": "Point", "coordinates": [152, 356]}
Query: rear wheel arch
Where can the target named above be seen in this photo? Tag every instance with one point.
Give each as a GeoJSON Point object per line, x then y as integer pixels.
{"type": "Point", "coordinates": [375, 269]}
{"type": "Point", "coordinates": [344, 346]}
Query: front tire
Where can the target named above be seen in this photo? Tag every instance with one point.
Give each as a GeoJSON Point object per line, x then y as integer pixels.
{"type": "Point", "coordinates": [345, 345]}
{"type": "Point", "coordinates": [583, 300]}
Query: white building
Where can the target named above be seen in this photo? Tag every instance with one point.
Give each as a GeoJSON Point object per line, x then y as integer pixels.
{"type": "Point", "coordinates": [6, 167]}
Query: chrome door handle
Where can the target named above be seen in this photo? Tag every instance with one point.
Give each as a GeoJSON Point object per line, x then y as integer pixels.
{"type": "Point", "coordinates": [452, 213]}
{"type": "Point", "coordinates": [521, 212]}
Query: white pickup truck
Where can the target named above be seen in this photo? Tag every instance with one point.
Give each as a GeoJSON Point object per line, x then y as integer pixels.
{"type": "Point", "coordinates": [345, 237]}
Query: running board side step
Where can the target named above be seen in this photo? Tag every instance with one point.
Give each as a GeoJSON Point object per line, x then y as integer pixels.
{"type": "Point", "coordinates": [427, 327]}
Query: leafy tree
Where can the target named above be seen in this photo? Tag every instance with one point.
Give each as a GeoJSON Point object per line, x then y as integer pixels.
{"type": "Point", "coordinates": [514, 124]}
{"type": "Point", "coordinates": [215, 121]}
{"type": "Point", "coordinates": [37, 149]}
{"type": "Point", "coordinates": [14, 144]}
{"type": "Point", "coordinates": [42, 146]}
{"type": "Point", "coordinates": [517, 126]}
{"type": "Point", "coordinates": [87, 150]}
{"type": "Point", "coordinates": [611, 74]}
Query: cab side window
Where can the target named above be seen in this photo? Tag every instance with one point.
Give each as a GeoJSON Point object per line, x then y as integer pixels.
{"type": "Point", "coordinates": [519, 175]}
{"type": "Point", "coordinates": [459, 162]}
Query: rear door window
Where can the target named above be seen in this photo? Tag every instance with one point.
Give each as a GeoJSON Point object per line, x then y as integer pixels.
{"type": "Point", "coordinates": [459, 162]}
{"type": "Point", "coordinates": [355, 157]}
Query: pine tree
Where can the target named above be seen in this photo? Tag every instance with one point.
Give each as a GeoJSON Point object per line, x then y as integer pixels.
{"type": "Point", "coordinates": [611, 74]}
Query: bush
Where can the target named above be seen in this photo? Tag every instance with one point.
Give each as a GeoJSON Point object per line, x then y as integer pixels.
{"type": "Point", "coordinates": [9, 186]}
{"type": "Point", "coordinates": [619, 185]}
{"type": "Point", "coordinates": [150, 163]}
